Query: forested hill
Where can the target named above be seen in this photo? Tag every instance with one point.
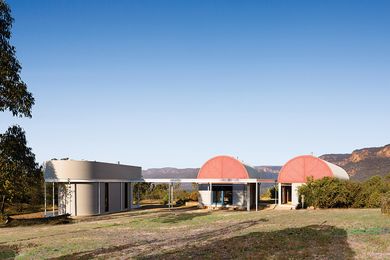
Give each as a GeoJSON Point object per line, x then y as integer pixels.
{"type": "Point", "coordinates": [170, 172]}
{"type": "Point", "coordinates": [363, 163]}
{"type": "Point", "coordinates": [192, 173]}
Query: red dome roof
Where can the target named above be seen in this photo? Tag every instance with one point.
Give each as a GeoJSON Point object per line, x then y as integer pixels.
{"type": "Point", "coordinates": [223, 167]}
{"type": "Point", "coordinates": [298, 169]}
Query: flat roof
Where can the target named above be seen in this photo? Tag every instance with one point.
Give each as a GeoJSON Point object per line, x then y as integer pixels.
{"type": "Point", "coordinates": [165, 180]}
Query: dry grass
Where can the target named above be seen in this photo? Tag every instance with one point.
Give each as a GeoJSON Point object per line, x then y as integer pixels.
{"type": "Point", "coordinates": [184, 233]}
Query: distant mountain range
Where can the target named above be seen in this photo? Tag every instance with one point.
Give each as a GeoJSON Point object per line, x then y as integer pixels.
{"type": "Point", "coordinates": [360, 164]}
{"type": "Point", "coordinates": [192, 173]}
{"type": "Point", "coordinates": [363, 163]}
{"type": "Point", "coordinates": [170, 172]}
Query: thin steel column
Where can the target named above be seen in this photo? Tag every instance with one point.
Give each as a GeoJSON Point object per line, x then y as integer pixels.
{"type": "Point", "coordinates": [44, 191]}
{"type": "Point", "coordinates": [257, 196]}
{"type": "Point", "coordinates": [138, 198]}
{"type": "Point", "coordinates": [211, 194]}
{"type": "Point", "coordinates": [64, 192]}
{"type": "Point", "coordinates": [260, 192]}
{"type": "Point", "coordinates": [172, 197]}
{"type": "Point", "coordinates": [53, 199]}
{"type": "Point", "coordinates": [70, 197]}
{"type": "Point", "coordinates": [248, 200]}
{"type": "Point", "coordinates": [169, 195]}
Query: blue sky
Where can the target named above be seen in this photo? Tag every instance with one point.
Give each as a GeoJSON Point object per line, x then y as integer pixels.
{"type": "Point", "coordinates": [172, 83]}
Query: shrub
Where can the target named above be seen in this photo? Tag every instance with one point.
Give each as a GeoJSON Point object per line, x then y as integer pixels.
{"type": "Point", "coordinates": [371, 191]}
{"type": "Point", "coordinates": [269, 194]}
{"type": "Point", "coordinates": [335, 193]}
{"type": "Point", "coordinates": [385, 203]}
{"type": "Point", "coordinates": [326, 193]}
{"type": "Point", "coordinates": [193, 196]}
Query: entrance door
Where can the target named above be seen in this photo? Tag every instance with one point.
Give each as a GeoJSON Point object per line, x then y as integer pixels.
{"type": "Point", "coordinates": [286, 193]}
{"type": "Point", "coordinates": [222, 194]}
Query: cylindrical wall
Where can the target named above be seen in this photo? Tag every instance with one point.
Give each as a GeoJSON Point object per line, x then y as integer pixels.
{"type": "Point", "coordinates": [86, 170]}
{"type": "Point", "coordinates": [86, 199]}
{"type": "Point", "coordinates": [82, 199]}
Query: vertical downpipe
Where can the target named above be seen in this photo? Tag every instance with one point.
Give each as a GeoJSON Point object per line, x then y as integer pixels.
{"type": "Point", "coordinates": [44, 191]}
{"type": "Point", "coordinates": [53, 199]}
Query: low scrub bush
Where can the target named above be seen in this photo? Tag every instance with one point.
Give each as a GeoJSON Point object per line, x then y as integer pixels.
{"type": "Point", "coordinates": [193, 196]}
{"type": "Point", "coordinates": [335, 193]}
{"type": "Point", "coordinates": [385, 203]}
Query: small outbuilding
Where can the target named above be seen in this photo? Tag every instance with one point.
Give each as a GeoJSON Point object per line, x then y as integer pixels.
{"type": "Point", "coordinates": [296, 171]}
{"type": "Point", "coordinates": [230, 183]}
{"type": "Point", "coordinates": [89, 188]}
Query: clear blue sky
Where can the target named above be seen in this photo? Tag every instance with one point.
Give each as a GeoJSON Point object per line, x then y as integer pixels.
{"type": "Point", "coordinates": [172, 83]}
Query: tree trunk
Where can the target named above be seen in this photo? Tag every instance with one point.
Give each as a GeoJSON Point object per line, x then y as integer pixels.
{"type": "Point", "coordinates": [2, 205]}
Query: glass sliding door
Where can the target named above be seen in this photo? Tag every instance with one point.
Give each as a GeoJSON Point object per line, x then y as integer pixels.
{"type": "Point", "coordinates": [222, 195]}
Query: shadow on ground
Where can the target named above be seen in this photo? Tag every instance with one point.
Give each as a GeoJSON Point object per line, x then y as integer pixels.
{"type": "Point", "coordinates": [174, 218]}
{"type": "Point", "coordinates": [57, 220]}
{"type": "Point", "coordinates": [144, 210]}
{"type": "Point", "coordinates": [8, 252]}
{"type": "Point", "coordinates": [310, 242]}
{"type": "Point", "coordinates": [133, 247]}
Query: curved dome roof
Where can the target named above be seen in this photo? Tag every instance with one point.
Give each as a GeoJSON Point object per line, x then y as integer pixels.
{"type": "Point", "coordinates": [226, 167]}
{"type": "Point", "coordinates": [298, 169]}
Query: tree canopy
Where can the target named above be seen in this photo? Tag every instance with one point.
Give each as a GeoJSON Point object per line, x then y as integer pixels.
{"type": "Point", "coordinates": [14, 95]}
{"type": "Point", "coordinates": [18, 171]}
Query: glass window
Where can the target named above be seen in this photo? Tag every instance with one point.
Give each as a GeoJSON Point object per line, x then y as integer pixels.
{"type": "Point", "coordinates": [222, 194]}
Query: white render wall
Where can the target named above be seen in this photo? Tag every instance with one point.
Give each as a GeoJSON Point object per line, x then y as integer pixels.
{"type": "Point", "coordinates": [239, 195]}
{"type": "Point", "coordinates": [204, 198]}
{"type": "Point", "coordinates": [294, 194]}
{"type": "Point", "coordinates": [82, 199]}
{"type": "Point", "coordinates": [66, 198]}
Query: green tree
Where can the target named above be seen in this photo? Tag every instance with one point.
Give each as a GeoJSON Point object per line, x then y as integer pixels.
{"type": "Point", "coordinates": [19, 173]}
{"type": "Point", "coordinates": [371, 193]}
{"type": "Point", "coordinates": [14, 95]}
{"type": "Point", "coordinates": [335, 193]}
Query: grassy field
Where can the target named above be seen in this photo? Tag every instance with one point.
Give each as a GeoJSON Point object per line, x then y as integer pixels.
{"type": "Point", "coordinates": [183, 233]}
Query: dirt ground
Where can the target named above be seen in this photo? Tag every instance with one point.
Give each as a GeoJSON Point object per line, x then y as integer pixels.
{"type": "Point", "coordinates": [194, 233]}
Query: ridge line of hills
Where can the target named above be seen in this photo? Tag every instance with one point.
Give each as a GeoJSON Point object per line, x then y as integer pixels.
{"type": "Point", "coordinates": [361, 164]}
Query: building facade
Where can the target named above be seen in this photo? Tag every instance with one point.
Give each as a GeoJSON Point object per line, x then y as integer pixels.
{"type": "Point", "coordinates": [231, 184]}
{"type": "Point", "coordinates": [89, 188]}
{"type": "Point", "coordinates": [296, 172]}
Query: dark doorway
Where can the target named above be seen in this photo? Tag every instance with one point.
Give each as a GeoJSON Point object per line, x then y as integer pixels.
{"type": "Point", "coordinates": [222, 194]}
{"type": "Point", "coordinates": [106, 197]}
{"type": "Point", "coordinates": [126, 195]}
{"type": "Point", "coordinates": [286, 193]}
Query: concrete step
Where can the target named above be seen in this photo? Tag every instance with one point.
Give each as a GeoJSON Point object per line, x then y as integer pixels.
{"type": "Point", "coordinates": [285, 207]}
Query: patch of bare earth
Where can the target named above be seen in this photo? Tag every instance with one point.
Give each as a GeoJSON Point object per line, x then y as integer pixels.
{"type": "Point", "coordinates": [191, 233]}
